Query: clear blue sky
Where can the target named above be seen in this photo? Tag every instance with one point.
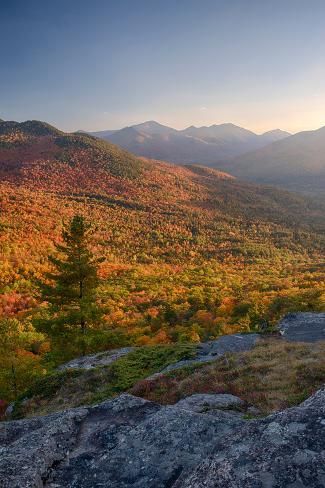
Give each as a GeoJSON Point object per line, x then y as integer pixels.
{"type": "Point", "coordinates": [100, 64]}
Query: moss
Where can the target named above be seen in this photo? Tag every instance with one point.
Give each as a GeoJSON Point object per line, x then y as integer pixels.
{"type": "Point", "coordinates": [126, 371]}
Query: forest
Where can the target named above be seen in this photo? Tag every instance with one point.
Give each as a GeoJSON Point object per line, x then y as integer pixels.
{"type": "Point", "coordinates": [185, 254]}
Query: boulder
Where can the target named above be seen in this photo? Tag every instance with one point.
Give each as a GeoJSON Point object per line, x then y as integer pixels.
{"type": "Point", "coordinates": [125, 442]}
{"type": "Point", "coordinates": [211, 403]}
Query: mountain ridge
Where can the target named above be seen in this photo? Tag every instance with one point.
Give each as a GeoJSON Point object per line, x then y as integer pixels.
{"type": "Point", "coordinates": [297, 163]}
{"type": "Point", "coordinates": [205, 145]}
{"type": "Point", "coordinates": [40, 156]}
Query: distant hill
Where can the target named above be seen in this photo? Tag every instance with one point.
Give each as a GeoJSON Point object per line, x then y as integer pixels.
{"type": "Point", "coordinates": [154, 128]}
{"type": "Point", "coordinates": [204, 145]}
{"type": "Point", "coordinates": [297, 163]}
{"type": "Point", "coordinates": [41, 157]}
{"type": "Point", "coordinates": [36, 148]}
{"type": "Point", "coordinates": [274, 135]}
{"type": "Point", "coordinates": [219, 134]}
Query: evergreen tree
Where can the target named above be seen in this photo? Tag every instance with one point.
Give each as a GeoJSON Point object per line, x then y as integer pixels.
{"type": "Point", "coordinates": [72, 292]}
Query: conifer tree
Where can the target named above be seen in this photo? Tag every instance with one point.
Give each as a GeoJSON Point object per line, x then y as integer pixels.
{"type": "Point", "coordinates": [72, 292]}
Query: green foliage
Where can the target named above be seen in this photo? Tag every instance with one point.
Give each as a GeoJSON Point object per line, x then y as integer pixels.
{"type": "Point", "coordinates": [82, 387]}
{"type": "Point", "coordinates": [43, 388]}
{"type": "Point", "coordinates": [139, 364]}
{"type": "Point", "coordinates": [68, 344]}
{"type": "Point", "coordinates": [20, 352]}
{"type": "Point", "coordinates": [48, 386]}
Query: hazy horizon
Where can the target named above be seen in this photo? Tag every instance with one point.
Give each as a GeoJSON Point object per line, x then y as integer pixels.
{"type": "Point", "coordinates": [117, 128]}
{"type": "Point", "coordinates": [102, 65]}
{"type": "Point", "coordinates": [183, 127]}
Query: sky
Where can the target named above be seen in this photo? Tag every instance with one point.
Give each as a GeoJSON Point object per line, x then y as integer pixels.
{"type": "Point", "coordinates": [105, 64]}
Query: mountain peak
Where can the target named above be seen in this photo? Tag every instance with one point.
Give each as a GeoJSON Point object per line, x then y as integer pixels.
{"type": "Point", "coordinates": [151, 122]}
{"type": "Point", "coordinates": [277, 132]}
{"type": "Point", "coordinates": [152, 127]}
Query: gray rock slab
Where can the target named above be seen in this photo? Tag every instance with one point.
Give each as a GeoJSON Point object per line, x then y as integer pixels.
{"type": "Point", "coordinates": [284, 450]}
{"type": "Point", "coordinates": [30, 447]}
{"type": "Point", "coordinates": [209, 351]}
{"type": "Point", "coordinates": [303, 327]}
{"type": "Point", "coordinates": [129, 442]}
{"type": "Point", "coordinates": [205, 352]}
{"type": "Point", "coordinates": [208, 403]}
{"type": "Point", "coordinates": [96, 360]}
{"type": "Point", "coordinates": [125, 442]}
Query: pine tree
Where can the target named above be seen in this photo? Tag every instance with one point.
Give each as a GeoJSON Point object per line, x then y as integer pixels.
{"type": "Point", "coordinates": [72, 292]}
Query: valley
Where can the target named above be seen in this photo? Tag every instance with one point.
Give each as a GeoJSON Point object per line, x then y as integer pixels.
{"type": "Point", "coordinates": [187, 253]}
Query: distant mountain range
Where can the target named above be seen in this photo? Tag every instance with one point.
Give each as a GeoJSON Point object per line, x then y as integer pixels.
{"type": "Point", "coordinates": [204, 145]}
{"type": "Point", "coordinates": [145, 211]}
{"type": "Point", "coordinates": [296, 162]}
{"type": "Point", "coordinates": [40, 157]}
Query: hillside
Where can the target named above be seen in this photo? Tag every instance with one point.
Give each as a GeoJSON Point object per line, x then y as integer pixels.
{"type": "Point", "coordinates": [296, 163]}
{"type": "Point", "coordinates": [40, 157]}
{"type": "Point", "coordinates": [187, 253]}
{"type": "Point", "coordinates": [204, 145]}
{"type": "Point", "coordinates": [33, 150]}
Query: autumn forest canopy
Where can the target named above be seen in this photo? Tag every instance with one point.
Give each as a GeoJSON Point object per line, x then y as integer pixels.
{"type": "Point", "coordinates": [171, 253]}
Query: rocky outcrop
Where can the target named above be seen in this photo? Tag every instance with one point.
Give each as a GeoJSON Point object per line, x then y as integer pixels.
{"type": "Point", "coordinates": [205, 352]}
{"type": "Point", "coordinates": [284, 450]}
{"type": "Point", "coordinates": [211, 403]}
{"type": "Point", "coordinates": [95, 360]}
{"type": "Point", "coordinates": [203, 441]}
{"type": "Point", "coordinates": [30, 447]}
{"type": "Point", "coordinates": [129, 442]}
{"type": "Point", "coordinates": [212, 350]}
{"type": "Point", "coordinates": [125, 442]}
{"type": "Point", "coordinates": [303, 327]}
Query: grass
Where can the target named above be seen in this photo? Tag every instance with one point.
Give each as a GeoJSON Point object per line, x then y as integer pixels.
{"type": "Point", "coordinates": [73, 388]}
{"type": "Point", "coordinates": [272, 376]}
